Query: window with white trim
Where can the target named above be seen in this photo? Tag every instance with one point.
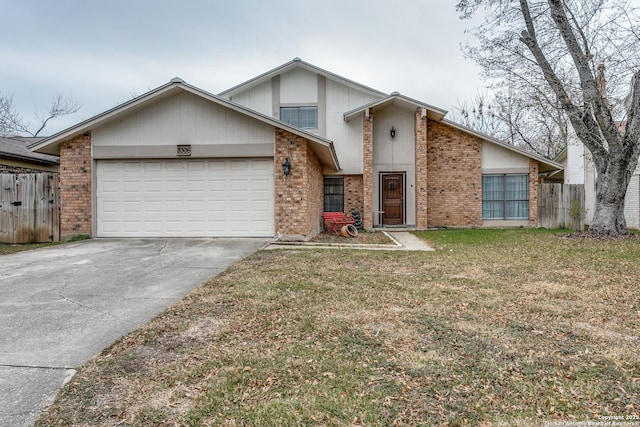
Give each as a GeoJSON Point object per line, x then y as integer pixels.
{"type": "Point", "coordinates": [302, 117]}
{"type": "Point", "coordinates": [505, 196]}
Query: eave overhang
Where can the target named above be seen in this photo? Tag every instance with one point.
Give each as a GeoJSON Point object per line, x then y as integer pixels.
{"type": "Point", "coordinates": [396, 99]}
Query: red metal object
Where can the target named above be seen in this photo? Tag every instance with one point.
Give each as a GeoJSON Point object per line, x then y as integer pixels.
{"type": "Point", "coordinates": [335, 220]}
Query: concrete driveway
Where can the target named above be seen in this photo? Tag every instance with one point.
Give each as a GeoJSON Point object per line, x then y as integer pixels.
{"type": "Point", "coordinates": [60, 306]}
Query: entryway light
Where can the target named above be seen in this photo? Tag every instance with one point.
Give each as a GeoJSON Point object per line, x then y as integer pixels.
{"type": "Point", "coordinates": [286, 167]}
{"type": "Point", "coordinates": [393, 132]}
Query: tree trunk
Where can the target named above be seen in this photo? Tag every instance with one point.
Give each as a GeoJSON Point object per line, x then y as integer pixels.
{"type": "Point", "coordinates": [608, 218]}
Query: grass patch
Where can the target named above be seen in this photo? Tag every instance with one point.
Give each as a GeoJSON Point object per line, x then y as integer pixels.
{"type": "Point", "coordinates": [6, 248]}
{"type": "Point", "coordinates": [78, 238]}
{"type": "Point", "coordinates": [497, 327]}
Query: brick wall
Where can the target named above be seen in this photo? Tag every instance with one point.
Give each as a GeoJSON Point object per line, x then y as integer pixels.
{"type": "Point", "coordinates": [454, 192]}
{"type": "Point", "coordinates": [315, 195]}
{"type": "Point", "coordinates": [367, 168]}
{"type": "Point", "coordinates": [75, 187]}
{"type": "Point", "coordinates": [421, 170]}
{"type": "Point", "coordinates": [300, 195]}
{"type": "Point", "coordinates": [353, 194]}
{"type": "Point", "coordinates": [533, 192]}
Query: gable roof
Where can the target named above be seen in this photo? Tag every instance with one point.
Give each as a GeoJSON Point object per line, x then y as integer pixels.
{"type": "Point", "coordinates": [16, 149]}
{"type": "Point", "coordinates": [438, 114]}
{"type": "Point", "coordinates": [298, 63]}
{"type": "Point", "coordinates": [323, 148]}
{"type": "Point", "coordinates": [395, 98]}
{"type": "Point", "coordinates": [546, 165]}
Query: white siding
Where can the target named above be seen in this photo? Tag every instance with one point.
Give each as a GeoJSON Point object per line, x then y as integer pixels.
{"type": "Point", "coordinates": [183, 119]}
{"type": "Point", "coordinates": [632, 203]}
{"type": "Point", "coordinates": [395, 155]}
{"type": "Point", "coordinates": [298, 87]}
{"type": "Point", "coordinates": [257, 98]}
{"type": "Point", "coordinates": [575, 167]}
{"type": "Point", "coordinates": [497, 159]}
{"type": "Point", "coordinates": [589, 191]}
{"type": "Point", "coordinates": [347, 137]}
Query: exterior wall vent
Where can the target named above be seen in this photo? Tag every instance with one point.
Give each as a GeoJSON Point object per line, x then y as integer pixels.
{"type": "Point", "coordinates": [184, 150]}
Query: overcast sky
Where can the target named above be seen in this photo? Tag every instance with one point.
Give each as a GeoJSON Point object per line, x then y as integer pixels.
{"type": "Point", "coordinates": [102, 52]}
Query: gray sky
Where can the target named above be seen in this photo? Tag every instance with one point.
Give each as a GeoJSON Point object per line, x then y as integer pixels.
{"type": "Point", "coordinates": [102, 52]}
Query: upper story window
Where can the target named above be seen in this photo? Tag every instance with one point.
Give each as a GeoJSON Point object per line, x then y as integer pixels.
{"type": "Point", "coordinates": [302, 117]}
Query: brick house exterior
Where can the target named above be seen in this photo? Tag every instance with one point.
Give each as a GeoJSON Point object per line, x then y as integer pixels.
{"type": "Point", "coordinates": [211, 165]}
{"type": "Point", "coordinates": [75, 187]}
{"type": "Point", "coordinates": [454, 195]}
{"type": "Point", "coordinates": [298, 196]}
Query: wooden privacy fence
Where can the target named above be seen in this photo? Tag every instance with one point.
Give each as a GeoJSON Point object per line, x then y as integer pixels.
{"type": "Point", "coordinates": [561, 206]}
{"type": "Point", "coordinates": [29, 208]}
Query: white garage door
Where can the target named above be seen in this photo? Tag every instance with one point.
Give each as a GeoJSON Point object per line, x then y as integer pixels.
{"type": "Point", "coordinates": [185, 198]}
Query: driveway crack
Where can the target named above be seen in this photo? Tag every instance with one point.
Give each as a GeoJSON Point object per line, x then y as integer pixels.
{"type": "Point", "coordinates": [88, 307]}
{"type": "Point", "coordinates": [11, 365]}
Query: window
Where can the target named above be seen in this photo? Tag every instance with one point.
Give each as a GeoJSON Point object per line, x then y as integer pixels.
{"type": "Point", "coordinates": [302, 117]}
{"type": "Point", "coordinates": [505, 196]}
{"type": "Point", "coordinates": [333, 194]}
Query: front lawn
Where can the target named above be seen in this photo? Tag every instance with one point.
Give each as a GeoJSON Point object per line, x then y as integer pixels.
{"type": "Point", "coordinates": [497, 327]}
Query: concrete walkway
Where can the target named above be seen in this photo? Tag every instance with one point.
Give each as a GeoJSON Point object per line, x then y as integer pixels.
{"type": "Point", "coordinates": [409, 241]}
{"type": "Point", "coordinates": [400, 241]}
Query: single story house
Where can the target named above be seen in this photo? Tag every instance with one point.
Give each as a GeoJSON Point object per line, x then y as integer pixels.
{"type": "Point", "coordinates": [180, 161]}
{"type": "Point", "coordinates": [16, 157]}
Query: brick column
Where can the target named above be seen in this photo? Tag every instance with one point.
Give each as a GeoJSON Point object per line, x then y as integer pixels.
{"type": "Point", "coordinates": [299, 195]}
{"type": "Point", "coordinates": [533, 192]}
{"type": "Point", "coordinates": [367, 171]}
{"type": "Point", "coordinates": [353, 193]}
{"type": "Point", "coordinates": [421, 169]}
{"type": "Point", "coordinates": [75, 187]}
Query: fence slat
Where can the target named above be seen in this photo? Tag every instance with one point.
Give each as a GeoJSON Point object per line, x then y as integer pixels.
{"type": "Point", "coordinates": [29, 208]}
{"type": "Point", "coordinates": [555, 205]}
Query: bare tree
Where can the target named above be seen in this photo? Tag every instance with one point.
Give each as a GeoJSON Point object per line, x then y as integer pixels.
{"type": "Point", "coordinates": [12, 123]}
{"type": "Point", "coordinates": [10, 119]}
{"type": "Point", "coordinates": [518, 118]}
{"type": "Point", "coordinates": [559, 45]}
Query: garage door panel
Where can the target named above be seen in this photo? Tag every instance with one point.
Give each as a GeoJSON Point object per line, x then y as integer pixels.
{"type": "Point", "coordinates": [152, 227]}
{"type": "Point", "coordinates": [173, 186]}
{"type": "Point", "coordinates": [153, 186]}
{"type": "Point", "coordinates": [129, 167]}
{"type": "Point", "coordinates": [132, 206]}
{"type": "Point", "coordinates": [191, 198]}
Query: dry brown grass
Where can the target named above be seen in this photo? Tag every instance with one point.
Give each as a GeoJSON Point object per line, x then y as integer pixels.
{"type": "Point", "coordinates": [363, 238]}
{"type": "Point", "coordinates": [495, 328]}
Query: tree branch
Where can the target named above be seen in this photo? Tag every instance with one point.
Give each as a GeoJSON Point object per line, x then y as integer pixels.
{"type": "Point", "coordinates": [601, 112]}
{"type": "Point", "coordinates": [582, 121]}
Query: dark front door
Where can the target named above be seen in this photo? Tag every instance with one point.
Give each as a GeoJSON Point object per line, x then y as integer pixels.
{"type": "Point", "coordinates": [393, 199]}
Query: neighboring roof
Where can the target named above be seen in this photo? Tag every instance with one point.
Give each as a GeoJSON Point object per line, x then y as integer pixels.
{"type": "Point", "coordinates": [322, 147]}
{"type": "Point", "coordinates": [561, 156]}
{"type": "Point", "coordinates": [545, 164]}
{"type": "Point", "coordinates": [16, 149]}
{"type": "Point", "coordinates": [395, 98]}
{"type": "Point", "coordinates": [298, 63]}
